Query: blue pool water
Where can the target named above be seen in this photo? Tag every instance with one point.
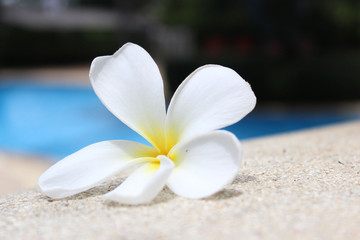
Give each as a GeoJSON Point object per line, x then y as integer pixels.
{"type": "Point", "coordinates": [57, 120]}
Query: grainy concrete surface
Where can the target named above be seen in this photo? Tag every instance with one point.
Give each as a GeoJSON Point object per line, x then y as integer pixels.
{"type": "Point", "coordinates": [19, 172]}
{"type": "Point", "coordinates": [303, 185]}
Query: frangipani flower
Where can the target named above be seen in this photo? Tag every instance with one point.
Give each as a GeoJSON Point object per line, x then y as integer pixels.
{"type": "Point", "coordinates": [188, 153]}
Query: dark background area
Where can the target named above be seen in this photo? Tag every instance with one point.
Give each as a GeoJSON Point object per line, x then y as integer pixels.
{"type": "Point", "coordinates": [290, 51]}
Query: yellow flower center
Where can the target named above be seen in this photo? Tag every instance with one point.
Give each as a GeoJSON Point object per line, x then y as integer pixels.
{"type": "Point", "coordinates": [163, 144]}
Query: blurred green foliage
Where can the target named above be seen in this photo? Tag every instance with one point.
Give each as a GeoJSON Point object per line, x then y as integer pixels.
{"type": "Point", "coordinates": [202, 14]}
{"type": "Point", "coordinates": [298, 50]}
{"type": "Point", "coordinates": [25, 47]}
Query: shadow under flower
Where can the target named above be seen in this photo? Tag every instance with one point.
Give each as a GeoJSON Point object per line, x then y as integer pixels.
{"type": "Point", "coordinates": [165, 195]}
{"type": "Point", "coordinates": [230, 192]}
{"type": "Point", "coordinates": [224, 194]}
{"type": "Point", "coordinates": [98, 190]}
{"type": "Point", "coordinates": [244, 179]}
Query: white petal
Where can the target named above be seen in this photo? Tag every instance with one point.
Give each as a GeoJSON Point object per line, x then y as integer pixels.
{"type": "Point", "coordinates": [212, 97]}
{"type": "Point", "coordinates": [205, 164]}
{"type": "Point", "coordinates": [144, 184]}
{"type": "Point", "coordinates": [130, 86]}
{"type": "Point", "coordinates": [91, 165]}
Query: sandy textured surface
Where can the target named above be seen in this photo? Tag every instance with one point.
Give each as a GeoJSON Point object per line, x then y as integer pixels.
{"type": "Point", "coordinates": [304, 185]}
{"type": "Point", "coordinates": [19, 171]}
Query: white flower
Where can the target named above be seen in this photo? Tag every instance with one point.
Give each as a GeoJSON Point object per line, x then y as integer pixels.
{"type": "Point", "coordinates": [189, 154]}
